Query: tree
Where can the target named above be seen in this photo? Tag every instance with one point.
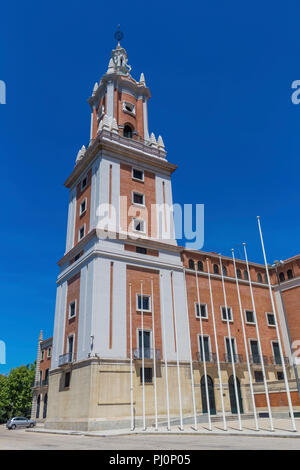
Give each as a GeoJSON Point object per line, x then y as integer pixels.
{"type": "Point", "coordinates": [4, 398]}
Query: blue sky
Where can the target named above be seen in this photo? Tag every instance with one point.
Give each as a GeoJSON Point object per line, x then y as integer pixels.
{"type": "Point", "coordinates": [220, 76]}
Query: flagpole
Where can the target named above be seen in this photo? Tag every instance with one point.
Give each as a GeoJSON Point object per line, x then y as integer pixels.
{"type": "Point", "coordinates": [190, 356]}
{"type": "Point", "coordinates": [154, 356]}
{"type": "Point", "coordinates": [277, 332]}
{"type": "Point", "coordinates": [259, 342]}
{"type": "Point", "coordinates": [177, 356]}
{"type": "Point", "coordinates": [203, 354]}
{"type": "Point", "coordinates": [143, 358]}
{"type": "Point", "coordinates": [131, 366]}
{"type": "Point", "coordinates": [165, 352]}
{"type": "Point", "coordinates": [245, 343]}
{"type": "Point", "coordinates": [217, 347]}
{"type": "Point", "coordinates": [230, 348]}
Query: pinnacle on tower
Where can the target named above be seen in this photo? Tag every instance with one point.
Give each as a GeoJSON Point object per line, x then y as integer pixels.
{"type": "Point", "coordinates": [142, 79]}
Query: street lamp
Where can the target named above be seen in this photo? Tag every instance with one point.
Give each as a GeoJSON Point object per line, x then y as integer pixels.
{"type": "Point", "coordinates": [276, 265]}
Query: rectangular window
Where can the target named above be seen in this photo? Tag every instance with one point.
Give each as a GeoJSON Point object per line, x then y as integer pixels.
{"type": "Point", "coordinates": [271, 319]}
{"type": "Point", "coordinates": [249, 314]}
{"type": "Point", "coordinates": [143, 301]}
{"type": "Point", "coordinates": [146, 338]}
{"type": "Point", "coordinates": [81, 232]}
{"type": "Point", "coordinates": [141, 250]}
{"type": "Point", "coordinates": [206, 348]}
{"type": "Point", "coordinates": [147, 375]}
{"type": "Point", "coordinates": [49, 352]}
{"type": "Point", "coordinates": [138, 198]}
{"type": "Point", "coordinates": [139, 225]}
{"type": "Point", "coordinates": [67, 379]}
{"type": "Point", "coordinates": [203, 310]}
{"type": "Point", "coordinates": [258, 376]}
{"type": "Point", "coordinates": [137, 174]}
{"type": "Point", "coordinates": [228, 352]}
{"type": "Point", "coordinates": [254, 351]}
{"type": "Point", "coordinates": [276, 352]}
{"type": "Point", "coordinates": [42, 356]}
{"type": "Point", "coordinates": [83, 183]}
{"type": "Point", "coordinates": [72, 309]}
{"type": "Point", "coordinates": [229, 313]}
{"type": "Point", "coordinates": [83, 206]}
{"type": "Point", "coordinates": [280, 375]}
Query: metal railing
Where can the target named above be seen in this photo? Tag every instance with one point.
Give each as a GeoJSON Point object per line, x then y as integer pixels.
{"type": "Point", "coordinates": [148, 353]}
{"type": "Point", "coordinates": [66, 359]}
{"type": "Point", "coordinates": [276, 360]}
{"type": "Point", "coordinates": [209, 357]}
{"type": "Point", "coordinates": [237, 358]}
{"type": "Point", "coordinates": [255, 359]}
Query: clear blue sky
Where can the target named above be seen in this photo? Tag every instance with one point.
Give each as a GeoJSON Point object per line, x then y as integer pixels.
{"type": "Point", "coordinates": [220, 76]}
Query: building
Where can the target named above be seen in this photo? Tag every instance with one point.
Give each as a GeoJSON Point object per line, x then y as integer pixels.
{"type": "Point", "coordinates": [40, 386]}
{"type": "Point", "coordinates": [139, 319]}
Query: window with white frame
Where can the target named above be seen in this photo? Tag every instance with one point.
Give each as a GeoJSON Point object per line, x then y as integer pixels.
{"type": "Point", "coordinates": [138, 198]}
{"type": "Point", "coordinates": [128, 107]}
{"type": "Point", "coordinates": [250, 318]}
{"type": "Point", "coordinates": [49, 352]}
{"type": "Point", "coordinates": [206, 347]}
{"type": "Point", "coordinates": [202, 309]}
{"type": "Point", "coordinates": [139, 225]}
{"type": "Point", "coordinates": [72, 309]}
{"type": "Point", "coordinates": [229, 314]}
{"type": "Point", "coordinates": [83, 206]}
{"type": "Point", "coordinates": [81, 232]}
{"type": "Point", "coordinates": [83, 183]}
{"type": "Point", "coordinates": [143, 302]}
{"type": "Point", "coordinates": [271, 319]}
{"type": "Point", "coordinates": [137, 174]}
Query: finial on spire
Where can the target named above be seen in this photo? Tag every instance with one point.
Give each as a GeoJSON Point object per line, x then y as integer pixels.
{"type": "Point", "coordinates": [118, 35]}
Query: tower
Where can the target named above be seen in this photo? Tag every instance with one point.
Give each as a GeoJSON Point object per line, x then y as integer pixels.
{"type": "Point", "coordinates": [120, 239]}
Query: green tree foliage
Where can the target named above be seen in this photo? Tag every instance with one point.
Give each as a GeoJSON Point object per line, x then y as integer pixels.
{"type": "Point", "coordinates": [16, 392]}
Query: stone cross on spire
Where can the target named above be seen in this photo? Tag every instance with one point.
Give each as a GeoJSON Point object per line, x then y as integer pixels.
{"type": "Point", "coordinates": [119, 55]}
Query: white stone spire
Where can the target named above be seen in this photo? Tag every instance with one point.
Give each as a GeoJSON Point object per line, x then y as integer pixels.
{"type": "Point", "coordinates": [142, 79]}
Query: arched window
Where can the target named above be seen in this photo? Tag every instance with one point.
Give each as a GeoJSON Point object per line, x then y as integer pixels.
{"type": "Point", "coordinates": [200, 266]}
{"type": "Point", "coordinates": [127, 131]}
{"type": "Point", "coordinates": [290, 274]}
{"type": "Point", "coordinates": [246, 277]}
{"type": "Point", "coordinates": [224, 269]}
{"type": "Point", "coordinates": [238, 273]}
{"type": "Point", "coordinates": [281, 277]}
{"type": "Point", "coordinates": [191, 264]}
{"type": "Point", "coordinates": [259, 277]}
{"type": "Point", "coordinates": [216, 269]}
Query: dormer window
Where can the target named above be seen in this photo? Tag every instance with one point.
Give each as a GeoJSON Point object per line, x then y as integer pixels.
{"type": "Point", "coordinates": [128, 108]}
{"type": "Point", "coordinates": [127, 131]}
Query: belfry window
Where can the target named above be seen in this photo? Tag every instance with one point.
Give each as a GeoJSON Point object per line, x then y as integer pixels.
{"type": "Point", "coordinates": [259, 277]}
{"type": "Point", "coordinates": [191, 264]}
{"type": "Point", "coordinates": [281, 277]}
{"type": "Point", "coordinates": [127, 131]}
{"type": "Point", "coordinates": [290, 274]}
{"type": "Point", "coordinates": [246, 277]}
{"type": "Point", "coordinates": [200, 266]}
{"type": "Point", "coordinates": [238, 274]}
{"type": "Point", "coordinates": [216, 269]}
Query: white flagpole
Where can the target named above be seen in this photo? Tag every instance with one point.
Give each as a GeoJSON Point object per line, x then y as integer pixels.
{"type": "Point", "coordinates": [230, 347]}
{"type": "Point", "coordinates": [143, 358]}
{"type": "Point", "coordinates": [177, 356]}
{"type": "Point", "coordinates": [259, 342]}
{"type": "Point", "coordinates": [131, 366]}
{"type": "Point", "coordinates": [203, 354]}
{"type": "Point", "coordinates": [190, 355]}
{"type": "Point", "coordinates": [165, 350]}
{"type": "Point", "coordinates": [278, 333]}
{"type": "Point", "coordinates": [217, 347]}
{"type": "Point", "coordinates": [154, 356]}
{"type": "Point", "coordinates": [245, 344]}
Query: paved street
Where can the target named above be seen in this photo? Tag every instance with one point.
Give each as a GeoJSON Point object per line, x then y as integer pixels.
{"type": "Point", "coordinates": [20, 439]}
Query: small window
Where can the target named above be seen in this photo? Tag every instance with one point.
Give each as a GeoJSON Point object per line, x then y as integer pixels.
{"type": "Point", "coordinates": [271, 319]}
{"type": "Point", "coordinates": [191, 264]}
{"type": "Point", "coordinates": [238, 274]}
{"type": "Point", "coordinates": [259, 277]}
{"type": "Point", "coordinates": [49, 352]}
{"type": "Point", "coordinates": [83, 183]}
{"type": "Point", "coordinates": [280, 375]}
{"type": "Point", "coordinates": [128, 107]}
{"type": "Point", "coordinates": [72, 309]}
{"type": "Point", "coordinates": [42, 356]}
{"type": "Point", "coordinates": [138, 198]}
{"type": "Point", "coordinates": [127, 131]}
{"type": "Point", "coordinates": [229, 314]}
{"type": "Point", "coordinates": [83, 206]}
{"type": "Point", "coordinates": [216, 269]}
{"type": "Point", "coordinates": [67, 379]}
{"type": "Point", "coordinates": [203, 309]}
{"type": "Point", "coordinates": [139, 225]}
{"type": "Point", "coordinates": [224, 269]}
{"type": "Point", "coordinates": [147, 375]}
{"type": "Point", "coordinates": [137, 174]}
{"type": "Point", "coordinates": [144, 301]}
{"type": "Point", "coordinates": [265, 278]}
{"type": "Point", "coordinates": [258, 376]}
{"type": "Point", "coordinates": [246, 277]}
{"type": "Point", "coordinates": [200, 266]}
{"type": "Point", "coordinates": [81, 232]}
{"type": "Point", "coordinates": [249, 314]}
{"type": "Point", "coordinates": [281, 277]}
{"type": "Point", "coordinates": [141, 250]}
{"type": "Point", "coordinates": [290, 274]}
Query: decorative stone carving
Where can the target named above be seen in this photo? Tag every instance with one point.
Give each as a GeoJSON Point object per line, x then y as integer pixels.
{"type": "Point", "coordinates": [80, 154]}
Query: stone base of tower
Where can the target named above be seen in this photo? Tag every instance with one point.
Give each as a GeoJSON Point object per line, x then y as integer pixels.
{"type": "Point", "coordinates": [98, 395]}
